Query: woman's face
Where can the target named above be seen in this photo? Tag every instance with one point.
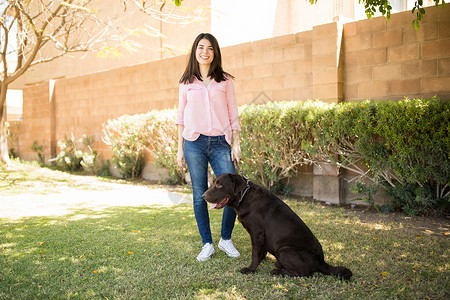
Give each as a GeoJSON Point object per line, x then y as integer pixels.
{"type": "Point", "coordinates": [204, 52]}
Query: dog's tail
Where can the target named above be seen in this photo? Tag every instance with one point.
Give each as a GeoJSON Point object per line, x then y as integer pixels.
{"type": "Point", "coordinates": [341, 272]}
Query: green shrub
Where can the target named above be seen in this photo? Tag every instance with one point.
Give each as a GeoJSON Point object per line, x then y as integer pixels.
{"type": "Point", "coordinates": [164, 144]}
{"type": "Point", "coordinates": [39, 149]}
{"type": "Point", "coordinates": [402, 146]}
{"type": "Point", "coordinates": [271, 140]}
{"type": "Point", "coordinates": [69, 157]}
{"type": "Point", "coordinates": [131, 136]}
{"type": "Point", "coordinates": [128, 137]}
{"type": "Point", "coordinates": [76, 155]}
{"type": "Point", "coordinates": [395, 144]}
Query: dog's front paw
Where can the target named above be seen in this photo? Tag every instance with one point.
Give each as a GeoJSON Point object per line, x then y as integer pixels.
{"type": "Point", "coordinates": [247, 271]}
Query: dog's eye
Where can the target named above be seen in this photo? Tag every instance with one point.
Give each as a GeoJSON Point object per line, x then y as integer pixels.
{"type": "Point", "coordinates": [218, 186]}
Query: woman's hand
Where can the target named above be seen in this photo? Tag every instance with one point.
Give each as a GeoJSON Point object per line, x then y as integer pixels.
{"type": "Point", "coordinates": [236, 152]}
{"type": "Point", "coordinates": [180, 159]}
{"type": "Point", "coordinates": [236, 148]}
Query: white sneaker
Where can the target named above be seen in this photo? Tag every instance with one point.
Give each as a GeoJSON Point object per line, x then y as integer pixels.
{"type": "Point", "coordinates": [207, 252]}
{"type": "Point", "coordinates": [228, 247]}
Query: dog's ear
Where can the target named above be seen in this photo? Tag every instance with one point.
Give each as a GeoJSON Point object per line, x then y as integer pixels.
{"type": "Point", "coordinates": [239, 183]}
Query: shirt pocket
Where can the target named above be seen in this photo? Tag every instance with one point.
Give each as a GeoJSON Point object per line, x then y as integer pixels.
{"type": "Point", "coordinates": [194, 94]}
{"type": "Point", "coordinates": [221, 87]}
{"type": "Point", "coordinates": [219, 94]}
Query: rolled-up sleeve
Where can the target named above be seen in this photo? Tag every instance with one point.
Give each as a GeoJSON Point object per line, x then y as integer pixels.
{"type": "Point", "coordinates": [232, 106]}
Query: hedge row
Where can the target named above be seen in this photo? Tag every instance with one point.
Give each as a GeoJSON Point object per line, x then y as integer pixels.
{"type": "Point", "coordinates": [402, 147]}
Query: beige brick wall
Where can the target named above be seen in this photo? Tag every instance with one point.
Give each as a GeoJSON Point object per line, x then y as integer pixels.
{"type": "Point", "coordinates": [37, 122]}
{"type": "Point", "coordinates": [279, 67]}
{"type": "Point", "coordinates": [391, 60]}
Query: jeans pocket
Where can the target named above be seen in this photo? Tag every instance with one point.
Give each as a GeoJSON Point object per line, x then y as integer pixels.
{"type": "Point", "coordinates": [223, 142]}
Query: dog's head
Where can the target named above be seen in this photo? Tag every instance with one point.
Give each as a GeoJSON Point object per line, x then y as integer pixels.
{"type": "Point", "coordinates": [225, 190]}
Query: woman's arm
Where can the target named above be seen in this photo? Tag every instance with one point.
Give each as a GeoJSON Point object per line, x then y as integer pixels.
{"type": "Point", "coordinates": [180, 154]}
{"type": "Point", "coordinates": [236, 148]}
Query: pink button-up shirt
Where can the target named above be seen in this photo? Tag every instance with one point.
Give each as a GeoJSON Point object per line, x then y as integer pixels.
{"type": "Point", "coordinates": [208, 110]}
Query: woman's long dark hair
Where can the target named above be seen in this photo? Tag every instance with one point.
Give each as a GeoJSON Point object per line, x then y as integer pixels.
{"type": "Point", "coordinates": [215, 71]}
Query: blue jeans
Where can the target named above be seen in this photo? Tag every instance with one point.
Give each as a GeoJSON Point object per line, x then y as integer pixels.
{"type": "Point", "coordinates": [216, 151]}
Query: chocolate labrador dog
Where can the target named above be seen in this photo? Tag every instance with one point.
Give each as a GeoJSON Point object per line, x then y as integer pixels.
{"type": "Point", "coordinates": [273, 228]}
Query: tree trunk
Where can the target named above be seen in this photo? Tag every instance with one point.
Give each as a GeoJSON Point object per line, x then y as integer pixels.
{"type": "Point", "coordinates": [4, 153]}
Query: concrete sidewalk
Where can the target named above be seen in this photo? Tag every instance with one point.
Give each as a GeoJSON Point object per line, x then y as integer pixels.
{"type": "Point", "coordinates": [26, 205]}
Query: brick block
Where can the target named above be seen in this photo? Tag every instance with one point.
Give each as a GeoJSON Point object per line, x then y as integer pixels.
{"type": "Point", "coordinates": [444, 30]}
{"type": "Point", "coordinates": [351, 59]}
{"type": "Point", "coordinates": [299, 52]}
{"type": "Point", "coordinates": [444, 67]}
{"type": "Point", "coordinates": [371, 25]}
{"type": "Point", "coordinates": [355, 75]}
{"type": "Point", "coordinates": [326, 92]}
{"type": "Point", "coordinates": [372, 57]}
{"type": "Point", "coordinates": [243, 48]}
{"type": "Point", "coordinates": [357, 42]}
{"type": "Point", "coordinates": [350, 29]}
{"type": "Point", "coordinates": [265, 70]}
{"type": "Point", "coordinates": [244, 98]}
{"type": "Point", "coordinates": [400, 20]}
{"type": "Point", "coordinates": [253, 58]}
{"type": "Point", "coordinates": [241, 73]}
{"type": "Point", "coordinates": [273, 83]}
{"type": "Point", "coordinates": [436, 49]}
{"type": "Point", "coordinates": [350, 91]}
{"type": "Point", "coordinates": [303, 65]}
{"type": "Point", "coordinates": [326, 188]}
{"type": "Point", "coordinates": [387, 72]}
{"type": "Point", "coordinates": [439, 14]}
{"type": "Point", "coordinates": [325, 76]}
{"type": "Point", "coordinates": [419, 68]}
{"type": "Point", "coordinates": [303, 93]}
{"type": "Point", "coordinates": [262, 45]}
{"type": "Point", "coordinates": [297, 80]}
{"type": "Point", "coordinates": [387, 38]}
{"type": "Point", "coordinates": [283, 94]}
{"type": "Point", "coordinates": [369, 90]}
{"type": "Point", "coordinates": [302, 185]}
{"type": "Point", "coordinates": [324, 46]}
{"type": "Point", "coordinates": [273, 56]}
{"type": "Point", "coordinates": [404, 87]}
{"type": "Point", "coordinates": [230, 62]}
{"type": "Point", "coordinates": [325, 31]}
{"type": "Point", "coordinates": [324, 61]}
{"type": "Point", "coordinates": [403, 53]}
{"type": "Point", "coordinates": [304, 38]}
{"type": "Point", "coordinates": [379, 24]}
{"type": "Point", "coordinates": [435, 84]}
{"type": "Point", "coordinates": [284, 41]}
{"type": "Point", "coordinates": [284, 68]}
{"type": "Point", "coordinates": [226, 52]}
{"type": "Point", "coordinates": [253, 85]}
{"type": "Point", "coordinates": [427, 32]}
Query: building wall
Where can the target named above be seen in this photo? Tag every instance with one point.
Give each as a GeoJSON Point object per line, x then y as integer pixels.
{"type": "Point", "coordinates": [332, 62]}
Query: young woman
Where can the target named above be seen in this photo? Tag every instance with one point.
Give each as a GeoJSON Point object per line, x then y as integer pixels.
{"type": "Point", "coordinates": [208, 124]}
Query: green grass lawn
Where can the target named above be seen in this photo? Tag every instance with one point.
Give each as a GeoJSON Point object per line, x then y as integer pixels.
{"type": "Point", "coordinates": [150, 252]}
